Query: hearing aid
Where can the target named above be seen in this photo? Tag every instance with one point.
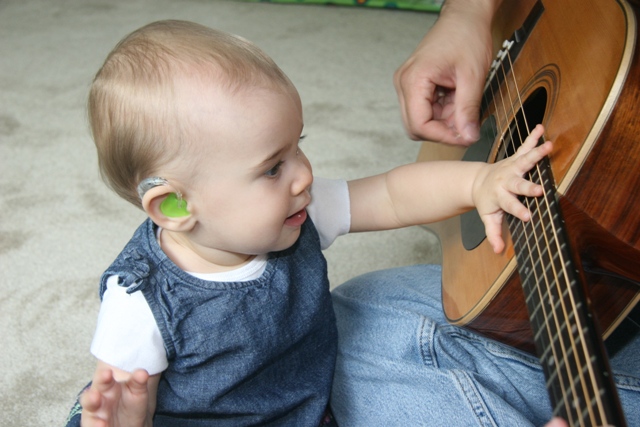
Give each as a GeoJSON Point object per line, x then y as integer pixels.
{"type": "Point", "coordinates": [174, 206]}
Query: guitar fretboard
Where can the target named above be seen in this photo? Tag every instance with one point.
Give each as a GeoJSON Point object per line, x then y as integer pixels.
{"type": "Point", "coordinates": [567, 342]}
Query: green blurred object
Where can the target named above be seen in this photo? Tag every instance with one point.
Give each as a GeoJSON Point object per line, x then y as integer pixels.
{"type": "Point", "coordinates": [422, 5]}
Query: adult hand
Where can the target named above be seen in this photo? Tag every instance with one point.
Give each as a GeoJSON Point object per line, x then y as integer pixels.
{"type": "Point", "coordinates": [440, 86]}
{"type": "Point", "coordinates": [557, 422]}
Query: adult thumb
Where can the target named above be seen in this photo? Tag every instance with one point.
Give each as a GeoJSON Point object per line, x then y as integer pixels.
{"type": "Point", "coordinates": [467, 113]}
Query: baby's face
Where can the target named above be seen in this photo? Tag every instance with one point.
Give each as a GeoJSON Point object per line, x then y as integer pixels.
{"type": "Point", "coordinates": [249, 179]}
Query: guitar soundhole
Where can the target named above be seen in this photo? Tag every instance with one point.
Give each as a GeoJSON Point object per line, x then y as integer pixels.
{"type": "Point", "coordinates": [532, 113]}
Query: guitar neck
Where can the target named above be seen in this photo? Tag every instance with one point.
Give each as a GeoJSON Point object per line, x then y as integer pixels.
{"type": "Point", "coordinates": [568, 343]}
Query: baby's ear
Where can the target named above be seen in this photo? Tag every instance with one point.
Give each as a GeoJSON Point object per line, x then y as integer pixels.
{"type": "Point", "coordinates": [167, 208]}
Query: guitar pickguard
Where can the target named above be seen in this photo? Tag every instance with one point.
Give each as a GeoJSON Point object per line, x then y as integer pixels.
{"type": "Point", "coordinates": [472, 228]}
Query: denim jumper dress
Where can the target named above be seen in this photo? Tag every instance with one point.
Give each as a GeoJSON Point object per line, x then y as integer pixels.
{"type": "Point", "coordinates": [260, 352]}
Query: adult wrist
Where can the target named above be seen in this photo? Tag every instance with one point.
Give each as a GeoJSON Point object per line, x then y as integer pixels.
{"type": "Point", "coordinates": [480, 10]}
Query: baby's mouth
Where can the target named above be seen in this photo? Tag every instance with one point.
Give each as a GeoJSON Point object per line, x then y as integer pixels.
{"type": "Point", "coordinates": [297, 219]}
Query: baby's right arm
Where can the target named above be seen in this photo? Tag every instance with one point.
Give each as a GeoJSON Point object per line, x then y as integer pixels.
{"type": "Point", "coordinates": [119, 399]}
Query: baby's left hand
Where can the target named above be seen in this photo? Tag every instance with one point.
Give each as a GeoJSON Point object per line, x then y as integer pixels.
{"type": "Point", "coordinates": [497, 187]}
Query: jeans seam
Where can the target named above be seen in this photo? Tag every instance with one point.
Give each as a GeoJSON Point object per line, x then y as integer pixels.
{"type": "Point", "coordinates": [467, 388]}
{"type": "Point", "coordinates": [627, 382]}
{"type": "Point", "coordinates": [497, 348]}
{"type": "Point", "coordinates": [426, 346]}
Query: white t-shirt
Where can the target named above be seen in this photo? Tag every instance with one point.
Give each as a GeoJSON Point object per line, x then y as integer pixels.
{"type": "Point", "coordinates": [127, 336]}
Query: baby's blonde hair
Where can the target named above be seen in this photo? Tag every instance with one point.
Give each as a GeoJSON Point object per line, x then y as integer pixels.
{"type": "Point", "coordinates": [135, 125]}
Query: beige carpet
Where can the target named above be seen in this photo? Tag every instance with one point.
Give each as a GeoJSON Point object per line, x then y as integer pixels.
{"type": "Point", "coordinates": [59, 225]}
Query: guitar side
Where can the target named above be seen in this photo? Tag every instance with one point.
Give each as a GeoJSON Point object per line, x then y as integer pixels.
{"type": "Point", "coordinates": [591, 76]}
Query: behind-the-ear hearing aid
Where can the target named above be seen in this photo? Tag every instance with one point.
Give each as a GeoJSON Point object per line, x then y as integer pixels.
{"type": "Point", "coordinates": [174, 206]}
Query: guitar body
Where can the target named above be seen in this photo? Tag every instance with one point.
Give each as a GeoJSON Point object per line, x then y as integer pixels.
{"type": "Point", "coordinates": [579, 72]}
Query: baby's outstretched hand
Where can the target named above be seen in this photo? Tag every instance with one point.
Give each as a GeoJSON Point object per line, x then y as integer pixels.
{"type": "Point", "coordinates": [497, 187]}
{"type": "Point", "coordinates": [109, 403]}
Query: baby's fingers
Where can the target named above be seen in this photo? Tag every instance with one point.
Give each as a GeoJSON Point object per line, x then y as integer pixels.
{"type": "Point", "coordinates": [532, 140]}
{"type": "Point", "coordinates": [138, 382]}
{"type": "Point", "coordinates": [103, 380]}
{"type": "Point", "coordinates": [91, 400]}
{"type": "Point", "coordinates": [524, 187]}
{"type": "Point", "coordinates": [529, 154]}
{"type": "Point", "coordinates": [136, 391]}
{"type": "Point", "coordinates": [514, 206]}
{"type": "Point", "coordinates": [94, 408]}
{"type": "Point", "coordinates": [527, 160]}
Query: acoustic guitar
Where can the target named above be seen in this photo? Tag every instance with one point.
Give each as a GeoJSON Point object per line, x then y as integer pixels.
{"type": "Point", "coordinates": [568, 277]}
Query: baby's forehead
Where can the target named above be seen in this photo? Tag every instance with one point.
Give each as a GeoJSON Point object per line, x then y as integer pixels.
{"type": "Point", "coordinates": [208, 108]}
{"type": "Point", "coordinates": [218, 88]}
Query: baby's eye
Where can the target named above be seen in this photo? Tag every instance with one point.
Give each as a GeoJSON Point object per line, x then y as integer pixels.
{"type": "Point", "coordinates": [302, 137]}
{"type": "Point", "coordinates": [274, 170]}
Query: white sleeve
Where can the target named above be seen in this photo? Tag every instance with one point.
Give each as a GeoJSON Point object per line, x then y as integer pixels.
{"type": "Point", "coordinates": [127, 336]}
{"type": "Point", "coordinates": [330, 209]}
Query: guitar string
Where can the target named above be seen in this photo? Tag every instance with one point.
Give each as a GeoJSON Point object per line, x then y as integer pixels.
{"type": "Point", "coordinates": [583, 342]}
{"type": "Point", "coordinates": [585, 363]}
{"type": "Point", "coordinates": [534, 232]}
{"type": "Point", "coordinates": [527, 241]}
{"type": "Point", "coordinates": [554, 279]}
{"type": "Point", "coordinates": [540, 278]}
{"type": "Point", "coordinates": [506, 113]}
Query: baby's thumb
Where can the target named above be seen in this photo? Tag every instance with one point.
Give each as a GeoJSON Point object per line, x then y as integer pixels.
{"type": "Point", "coordinates": [493, 230]}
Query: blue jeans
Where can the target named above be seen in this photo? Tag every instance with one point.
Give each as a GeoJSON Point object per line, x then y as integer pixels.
{"type": "Point", "coordinates": [401, 364]}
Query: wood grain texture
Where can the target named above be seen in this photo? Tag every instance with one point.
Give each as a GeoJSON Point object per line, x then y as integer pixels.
{"type": "Point", "coordinates": [582, 53]}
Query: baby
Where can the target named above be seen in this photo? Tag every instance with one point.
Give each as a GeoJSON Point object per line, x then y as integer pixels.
{"type": "Point", "coordinates": [218, 310]}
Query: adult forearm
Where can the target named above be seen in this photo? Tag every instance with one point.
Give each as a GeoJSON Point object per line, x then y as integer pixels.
{"type": "Point", "coordinates": [481, 9]}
